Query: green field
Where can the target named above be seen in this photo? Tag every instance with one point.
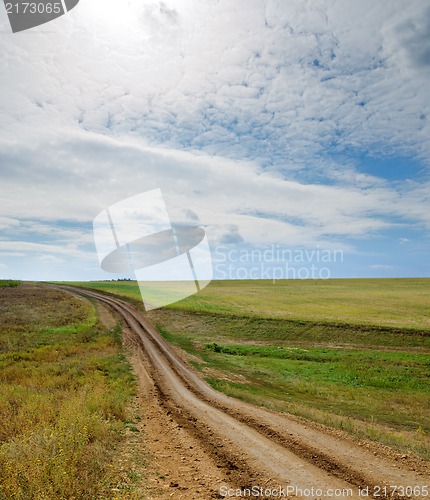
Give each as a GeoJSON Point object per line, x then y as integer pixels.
{"type": "Point", "coordinates": [402, 303]}
{"type": "Point", "coordinates": [65, 386]}
{"type": "Point", "coordinates": [351, 354]}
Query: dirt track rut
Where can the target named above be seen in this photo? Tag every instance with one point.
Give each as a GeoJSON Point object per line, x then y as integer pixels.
{"type": "Point", "coordinates": [252, 446]}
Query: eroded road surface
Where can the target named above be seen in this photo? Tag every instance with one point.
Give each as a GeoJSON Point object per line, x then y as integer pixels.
{"type": "Point", "coordinates": [214, 446]}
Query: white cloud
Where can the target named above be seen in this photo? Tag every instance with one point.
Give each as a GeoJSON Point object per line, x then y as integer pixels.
{"type": "Point", "coordinates": [50, 259]}
{"type": "Point", "coordinates": [84, 173]}
{"type": "Point", "coordinates": [281, 84]}
{"type": "Point", "coordinates": [8, 222]}
{"type": "Point", "coordinates": [39, 249]}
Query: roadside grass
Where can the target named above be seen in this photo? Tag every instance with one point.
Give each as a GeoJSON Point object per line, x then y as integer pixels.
{"type": "Point", "coordinates": [350, 354]}
{"type": "Point", "coordinates": [65, 386]}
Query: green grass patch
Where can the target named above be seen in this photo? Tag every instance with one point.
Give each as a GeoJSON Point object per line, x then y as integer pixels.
{"type": "Point", "coordinates": [229, 328]}
{"type": "Point", "coordinates": [368, 370]}
{"type": "Point", "coordinates": [65, 387]}
{"type": "Point", "coordinates": [9, 283]}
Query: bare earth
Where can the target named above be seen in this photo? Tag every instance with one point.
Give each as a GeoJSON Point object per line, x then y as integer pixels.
{"type": "Point", "coordinates": [199, 443]}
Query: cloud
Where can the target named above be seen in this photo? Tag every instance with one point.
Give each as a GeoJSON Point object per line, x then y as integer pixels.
{"type": "Point", "coordinates": [8, 222]}
{"type": "Point", "coordinates": [250, 124]}
{"type": "Point", "coordinates": [232, 236]}
{"type": "Point", "coordinates": [50, 259]}
{"type": "Point", "coordinates": [192, 216]}
{"type": "Point", "coordinates": [280, 85]}
{"type": "Point", "coordinates": [39, 249]}
{"type": "Point", "coordinates": [84, 173]}
{"type": "Point", "coordinates": [414, 37]}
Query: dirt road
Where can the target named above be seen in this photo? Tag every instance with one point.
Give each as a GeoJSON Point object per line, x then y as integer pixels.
{"type": "Point", "coordinates": [220, 447]}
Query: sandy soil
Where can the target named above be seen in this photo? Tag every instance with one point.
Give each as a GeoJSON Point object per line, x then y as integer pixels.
{"type": "Point", "coordinates": [202, 444]}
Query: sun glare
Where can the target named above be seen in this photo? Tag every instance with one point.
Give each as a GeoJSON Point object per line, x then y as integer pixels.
{"type": "Point", "coordinates": [123, 22]}
{"type": "Point", "coordinates": [111, 18]}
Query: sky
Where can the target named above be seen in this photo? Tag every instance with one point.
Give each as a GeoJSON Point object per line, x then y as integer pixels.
{"type": "Point", "coordinates": [296, 133]}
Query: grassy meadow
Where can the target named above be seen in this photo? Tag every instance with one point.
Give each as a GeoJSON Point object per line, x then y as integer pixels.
{"type": "Point", "coordinates": [350, 354]}
{"type": "Point", "coordinates": [65, 385]}
{"type": "Point", "coordinates": [402, 303]}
